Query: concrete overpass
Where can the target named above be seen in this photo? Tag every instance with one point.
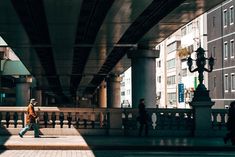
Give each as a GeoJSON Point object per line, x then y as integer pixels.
{"type": "Point", "coordinates": [70, 47]}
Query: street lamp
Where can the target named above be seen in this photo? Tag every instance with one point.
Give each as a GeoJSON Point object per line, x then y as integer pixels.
{"type": "Point", "coordinates": [201, 93]}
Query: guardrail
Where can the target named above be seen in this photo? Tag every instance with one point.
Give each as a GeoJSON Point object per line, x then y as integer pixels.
{"type": "Point", "coordinates": [162, 122]}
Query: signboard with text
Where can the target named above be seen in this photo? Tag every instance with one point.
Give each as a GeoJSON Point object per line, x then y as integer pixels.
{"type": "Point", "coordinates": [181, 92]}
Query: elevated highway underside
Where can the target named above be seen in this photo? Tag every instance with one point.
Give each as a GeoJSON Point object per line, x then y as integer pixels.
{"type": "Point", "coordinates": [70, 47]}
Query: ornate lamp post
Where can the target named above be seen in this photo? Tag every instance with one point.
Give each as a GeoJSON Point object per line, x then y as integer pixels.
{"type": "Point", "coordinates": [201, 102]}
{"type": "Point", "coordinates": [201, 93]}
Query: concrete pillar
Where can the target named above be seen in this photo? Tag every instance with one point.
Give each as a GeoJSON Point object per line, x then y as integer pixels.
{"type": "Point", "coordinates": [113, 91]}
{"type": "Point", "coordinates": [37, 94]}
{"type": "Point", "coordinates": [94, 99]}
{"type": "Point", "coordinates": [143, 71]}
{"type": "Point", "coordinates": [22, 91]}
{"type": "Point", "coordinates": [102, 97]}
{"type": "Point", "coordinates": [52, 100]}
{"type": "Point", "coordinates": [44, 99]}
{"type": "Point", "coordinates": [202, 118]}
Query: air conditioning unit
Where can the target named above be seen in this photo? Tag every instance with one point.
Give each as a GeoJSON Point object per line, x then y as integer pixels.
{"type": "Point", "coordinates": [4, 54]}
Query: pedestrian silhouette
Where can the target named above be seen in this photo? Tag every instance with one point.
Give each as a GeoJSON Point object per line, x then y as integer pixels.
{"type": "Point", "coordinates": [143, 118]}
{"type": "Point", "coordinates": [30, 120]}
{"type": "Point", "coordinates": [231, 124]}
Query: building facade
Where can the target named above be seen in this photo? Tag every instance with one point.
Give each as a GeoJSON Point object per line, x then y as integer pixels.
{"type": "Point", "coordinates": [221, 35]}
{"type": "Point", "coordinates": [175, 84]}
{"type": "Point", "coordinates": [126, 92]}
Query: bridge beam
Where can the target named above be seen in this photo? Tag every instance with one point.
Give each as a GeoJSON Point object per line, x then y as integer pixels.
{"type": "Point", "coordinates": [22, 91]}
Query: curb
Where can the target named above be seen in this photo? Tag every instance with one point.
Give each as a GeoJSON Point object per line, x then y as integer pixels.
{"type": "Point", "coordinates": [115, 147]}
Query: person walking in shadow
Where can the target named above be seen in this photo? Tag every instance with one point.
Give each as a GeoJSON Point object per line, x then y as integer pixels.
{"type": "Point", "coordinates": [231, 124]}
{"type": "Point", "coordinates": [31, 120]}
{"type": "Point", "coordinates": [143, 118]}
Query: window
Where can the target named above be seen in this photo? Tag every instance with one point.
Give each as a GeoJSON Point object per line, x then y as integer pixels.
{"type": "Point", "coordinates": [158, 95]}
{"type": "Point", "coordinates": [159, 64]}
{"type": "Point", "coordinates": [213, 51]}
{"type": "Point", "coordinates": [190, 48]}
{"type": "Point", "coordinates": [128, 81]}
{"type": "Point", "coordinates": [214, 81]}
{"type": "Point", "coordinates": [231, 15]}
{"type": "Point", "coordinates": [159, 79]}
{"type": "Point", "coordinates": [183, 31]}
{"type": "Point", "coordinates": [171, 97]}
{"type": "Point", "coordinates": [184, 72]}
{"type": "Point", "coordinates": [213, 21]}
{"type": "Point", "coordinates": [232, 48]}
{"type": "Point", "coordinates": [123, 93]}
{"type": "Point", "coordinates": [158, 47]}
{"type": "Point", "coordinates": [171, 63]}
{"type": "Point", "coordinates": [123, 84]}
{"type": "Point", "coordinates": [198, 24]}
{"type": "Point", "coordinates": [225, 50]}
{"type": "Point", "coordinates": [190, 28]}
{"type": "Point", "coordinates": [225, 18]}
{"type": "Point", "coordinates": [226, 83]}
{"type": "Point", "coordinates": [128, 92]}
{"type": "Point", "coordinates": [233, 82]}
{"type": "Point", "coordinates": [172, 47]}
{"type": "Point", "coordinates": [171, 80]}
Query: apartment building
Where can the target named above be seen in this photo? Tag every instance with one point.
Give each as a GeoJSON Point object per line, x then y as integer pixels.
{"type": "Point", "coordinates": [126, 92]}
{"type": "Point", "coordinates": [175, 84]}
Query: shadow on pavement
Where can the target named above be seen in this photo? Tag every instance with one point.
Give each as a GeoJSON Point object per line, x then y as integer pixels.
{"type": "Point", "coordinates": [4, 136]}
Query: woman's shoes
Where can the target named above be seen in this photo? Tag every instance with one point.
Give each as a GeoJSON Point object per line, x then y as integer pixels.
{"type": "Point", "coordinates": [20, 135]}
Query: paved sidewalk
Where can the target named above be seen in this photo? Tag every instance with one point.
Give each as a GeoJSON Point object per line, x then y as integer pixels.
{"type": "Point", "coordinates": [43, 143]}
{"type": "Point", "coordinates": [113, 143]}
{"type": "Point", "coordinates": [113, 153]}
{"type": "Point", "coordinates": [158, 143]}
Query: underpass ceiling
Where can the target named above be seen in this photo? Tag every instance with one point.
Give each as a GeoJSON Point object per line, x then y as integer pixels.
{"type": "Point", "coordinates": [158, 21]}
{"type": "Point", "coordinates": [187, 11]}
{"type": "Point", "coordinates": [62, 24]}
{"type": "Point", "coordinates": [119, 18]}
{"type": "Point", "coordinates": [71, 46]}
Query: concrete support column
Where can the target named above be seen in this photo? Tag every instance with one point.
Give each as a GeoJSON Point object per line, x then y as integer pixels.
{"type": "Point", "coordinates": [37, 94]}
{"type": "Point", "coordinates": [52, 100]}
{"type": "Point", "coordinates": [143, 71]}
{"type": "Point", "coordinates": [44, 99]}
{"type": "Point", "coordinates": [102, 97]}
{"type": "Point", "coordinates": [22, 91]}
{"type": "Point", "coordinates": [113, 91]}
{"type": "Point", "coordinates": [94, 101]}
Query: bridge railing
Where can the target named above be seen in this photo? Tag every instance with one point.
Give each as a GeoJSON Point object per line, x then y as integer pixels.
{"type": "Point", "coordinates": [219, 119]}
{"type": "Point", "coordinates": [163, 122]}
{"type": "Point", "coordinates": [54, 117]}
